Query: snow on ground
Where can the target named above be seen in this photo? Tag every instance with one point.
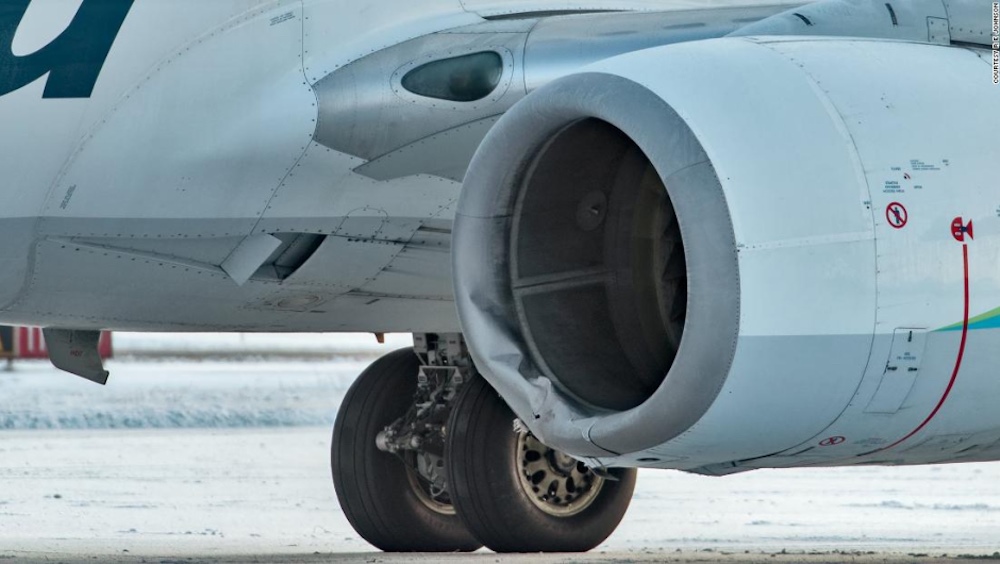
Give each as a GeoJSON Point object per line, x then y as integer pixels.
{"type": "Point", "coordinates": [242, 345]}
{"type": "Point", "coordinates": [177, 395]}
{"type": "Point", "coordinates": [221, 461]}
{"type": "Point", "coordinates": [164, 381]}
{"type": "Point", "coordinates": [267, 491]}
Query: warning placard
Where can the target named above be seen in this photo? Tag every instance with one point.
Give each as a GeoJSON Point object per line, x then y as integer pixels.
{"type": "Point", "coordinates": [896, 215]}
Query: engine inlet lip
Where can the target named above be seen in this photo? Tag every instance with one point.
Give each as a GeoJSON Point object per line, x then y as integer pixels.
{"type": "Point", "coordinates": [483, 224]}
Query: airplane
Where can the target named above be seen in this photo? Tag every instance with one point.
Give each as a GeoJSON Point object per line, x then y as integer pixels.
{"type": "Point", "coordinates": [680, 234]}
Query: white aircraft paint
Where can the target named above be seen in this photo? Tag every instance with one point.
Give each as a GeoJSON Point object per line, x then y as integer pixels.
{"type": "Point", "coordinates": [131, 209]}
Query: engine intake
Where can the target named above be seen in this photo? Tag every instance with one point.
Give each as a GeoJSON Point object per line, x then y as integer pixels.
{"type": "Point", "coordinates": [597, 267]}
{"type": "Point", "coordinates": [586, 277]}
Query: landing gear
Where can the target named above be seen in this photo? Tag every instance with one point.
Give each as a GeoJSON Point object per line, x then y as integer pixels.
{"type": "Point", "coordinates": [395, 497]}
{"type": "Point", "coordinates": [426, 458]}
{"type": "Point", "coordinates": [517, 495]}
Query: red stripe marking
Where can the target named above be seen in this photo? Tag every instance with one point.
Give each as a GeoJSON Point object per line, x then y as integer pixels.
{"type": "Point", "coordinates": [958, 361]}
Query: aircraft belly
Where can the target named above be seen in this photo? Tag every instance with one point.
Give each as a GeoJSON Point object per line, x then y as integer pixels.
{"type": "Point", "coordinates": [81, 285]}
{"type": "Point", "coordinates": [15, 243]}
{"type": "Point", "coordinates": [383, 265]}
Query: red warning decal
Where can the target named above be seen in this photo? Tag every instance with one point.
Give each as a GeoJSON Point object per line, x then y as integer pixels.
{"type": "Point", "coordinates": [896, 215]}
{"type": "Point", "coordinates": [832, 441]}
{"type": "Point", "coordinates": [959, 229]}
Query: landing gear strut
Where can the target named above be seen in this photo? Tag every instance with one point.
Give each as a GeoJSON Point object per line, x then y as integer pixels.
{"type": "Point", "coordinates": [426, 457]}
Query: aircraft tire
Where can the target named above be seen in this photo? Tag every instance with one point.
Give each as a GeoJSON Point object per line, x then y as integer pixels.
{"type": "Point", "coordinates": [375, 489]}
{"type": "Point", "coordinates": [498, 479]}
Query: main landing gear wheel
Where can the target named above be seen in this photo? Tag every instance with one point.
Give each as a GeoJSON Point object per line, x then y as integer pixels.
{"type": "Point", "coordinates": [517, 495]}
{"type": "Point", "coordinates": [387, 498]}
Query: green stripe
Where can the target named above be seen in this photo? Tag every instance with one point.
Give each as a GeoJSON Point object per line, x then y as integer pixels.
{"type": "Point", "coordinates": [983, 319]}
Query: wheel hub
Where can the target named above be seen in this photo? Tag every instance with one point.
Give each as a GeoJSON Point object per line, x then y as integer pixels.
{"type": "Point", "coordinates": [555, 482]}
{"type": "Point", "coordinates": [426, 474]}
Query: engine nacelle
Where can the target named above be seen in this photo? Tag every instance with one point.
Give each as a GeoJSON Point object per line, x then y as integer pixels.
{"type": "Point", "coordinates": [738, 253]}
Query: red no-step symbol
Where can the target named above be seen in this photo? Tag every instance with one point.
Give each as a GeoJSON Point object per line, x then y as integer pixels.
{"type": "Point", "coordinates": [832, 441]}
{"type": "Point", "coordinates": [896, 214]}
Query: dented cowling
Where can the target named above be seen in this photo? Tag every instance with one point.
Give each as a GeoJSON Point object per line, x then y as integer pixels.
{"type": "Point", "coordinates": [566, 252]}
{"type": "Point", "coordinates": [759, 168]}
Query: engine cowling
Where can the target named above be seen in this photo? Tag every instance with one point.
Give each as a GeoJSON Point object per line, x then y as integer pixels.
{"type": "Point", "coordinates": [687, 256]}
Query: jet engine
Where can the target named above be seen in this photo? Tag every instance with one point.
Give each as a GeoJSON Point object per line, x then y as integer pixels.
{"type": "Point", "coordinates": [705, 254]}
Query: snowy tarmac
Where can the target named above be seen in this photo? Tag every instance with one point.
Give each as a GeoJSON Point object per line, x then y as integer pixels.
{"type": "Point", "coordinates": [214, 461]}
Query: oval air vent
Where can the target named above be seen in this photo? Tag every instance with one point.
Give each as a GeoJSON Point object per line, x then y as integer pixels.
{"type": "Point", "coordinates": [459, 79]}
